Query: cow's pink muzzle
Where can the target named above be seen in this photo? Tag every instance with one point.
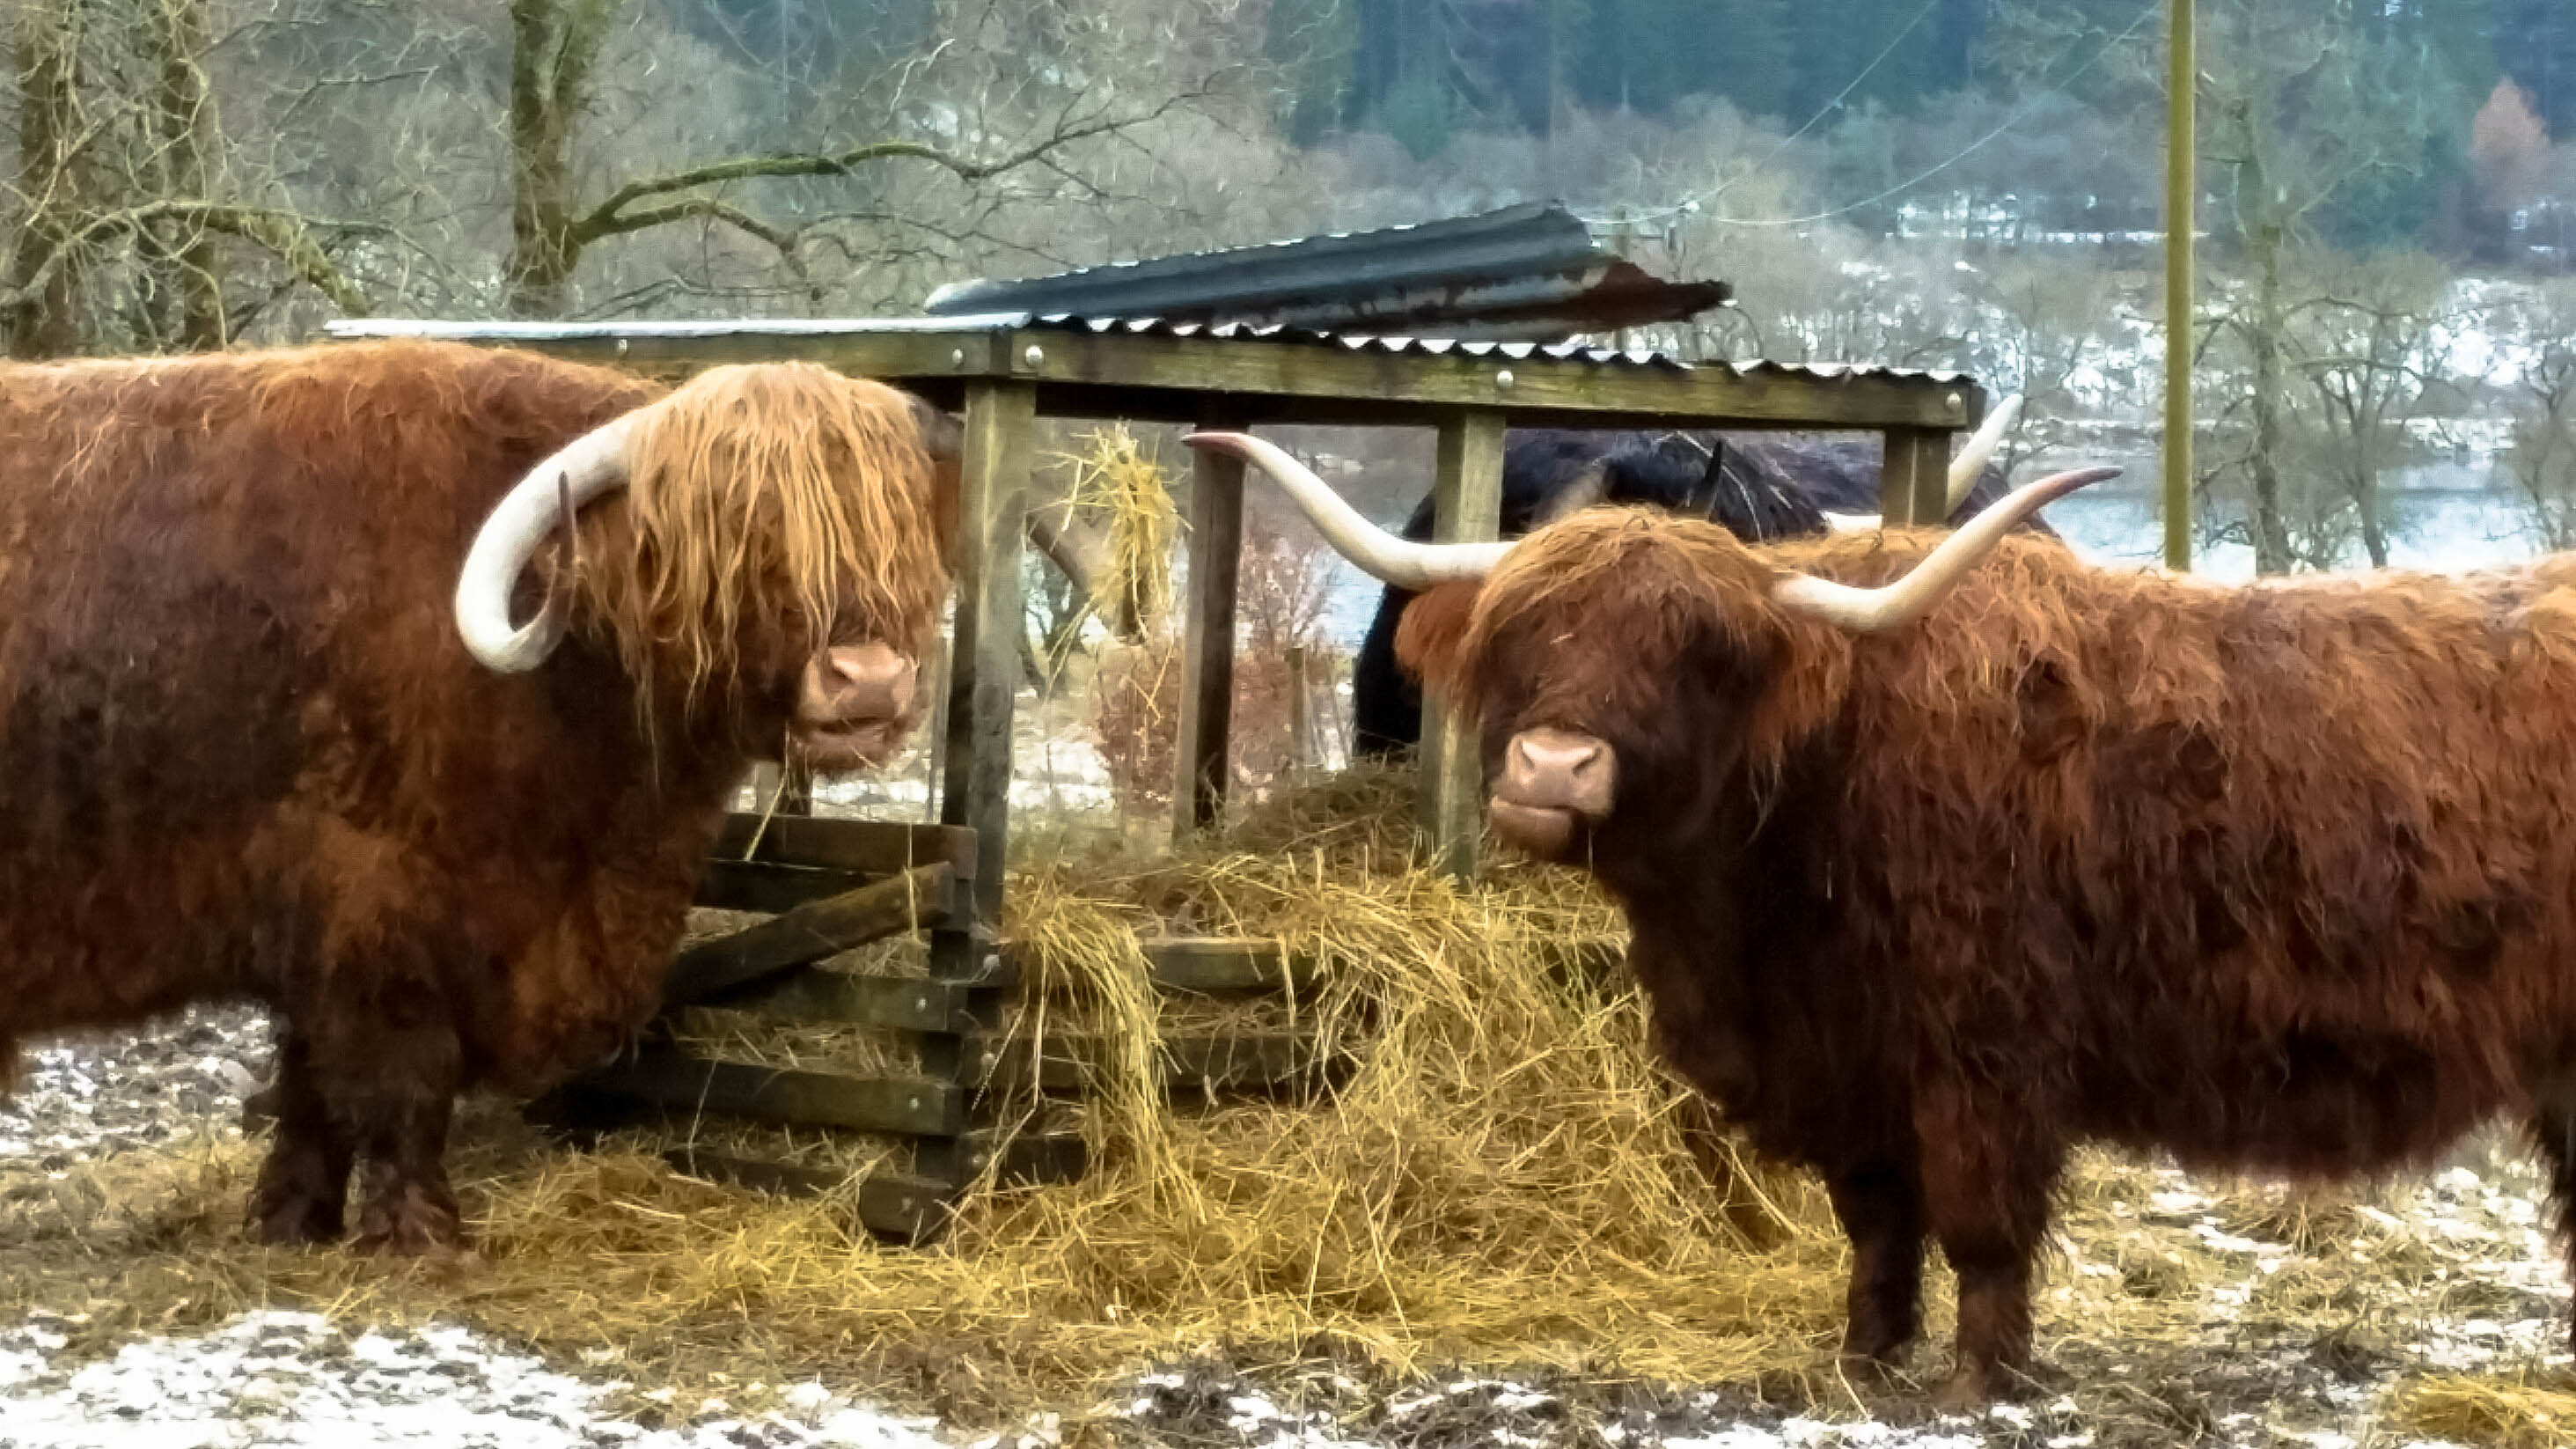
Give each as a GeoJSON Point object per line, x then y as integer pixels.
{"type": "Point", "coordinates": [1556, 786]}
{"type": "Point", "coordinates": [854, 705]}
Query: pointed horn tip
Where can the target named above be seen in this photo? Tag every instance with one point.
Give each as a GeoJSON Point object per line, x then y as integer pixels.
{"type": "Point", "coordinates": [2064, 483]}
{"type": "Point", "coordinates": [1222, 441]}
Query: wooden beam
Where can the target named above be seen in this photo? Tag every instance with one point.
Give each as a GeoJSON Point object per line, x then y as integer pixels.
{"type": "Point", "coordinates": [1201, 750]}
{"type": "Point", "coordinates": [1914, 477]}
{"type": "Point", "coordinates": [858, 998]}
{"type": "Point", "coordinates": [669, 1077]}
{"type": "Point", "coordinates": [1467, 486]}
{"type": "Point", "coordinates": [1165, 378]}
{"type": "Point", "coordinates": [861, 847]}
{"type": "Point", "coordinates": [743, 885]}
{"type": "Point", "coordinates": [1211, 965]}
{"type": "Point", "coordinates": [807, 934]}
{"type": "Point", "coordinates": [984, 655]}
{"type": "Point", "coordinates": [1227, 1061]}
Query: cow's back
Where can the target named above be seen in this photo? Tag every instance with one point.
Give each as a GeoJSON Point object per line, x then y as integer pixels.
{"type": "Point", "coordinates": [2274, 876]}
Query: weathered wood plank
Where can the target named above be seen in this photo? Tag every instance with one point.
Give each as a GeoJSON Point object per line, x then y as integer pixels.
{"type": "Point", "coordinates": [908, 1210]}
{"type": "Point", "coordinates": [975, 766]}
{"type": "Point", "coordinates": [1163, 378]}
{"type": "Point", "coordinates": [1914, 477]}
{"type": "Point", "coordinates": [984, 656]}
{"type": "Point", "coordinates": [669, 1077]}
{"type": "Point", "coordinates": [1209, 965]}
{"type": "Point", "coordinates": [810, 932]}
{"type": "Point", "coordinates": [904, 1003]}
{"type": "Point", "coordinates": [1201, 748]}
{"type": "Point", "coordinates": [1467, 486]}
{"type": "Point", "coordinates": [862, 847]}
{"type": "Point", "coordinates": [1214, 1061]}
{"type": "Point", "coordinates": [742, 885]}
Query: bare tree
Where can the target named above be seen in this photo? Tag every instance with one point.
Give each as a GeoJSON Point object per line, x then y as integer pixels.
{"type": "Point", "coordinates": [2542, 456]}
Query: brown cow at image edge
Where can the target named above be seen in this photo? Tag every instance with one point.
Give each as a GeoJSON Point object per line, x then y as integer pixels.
{"type": "Point", "coordinates": [270, 732]}
{"type": "Point", "coordinates": [1943, 855]}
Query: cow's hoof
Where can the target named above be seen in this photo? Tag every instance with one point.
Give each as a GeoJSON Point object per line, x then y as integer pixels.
{"type": "Point", "coordinates": [411, 1224]}
{"type": "Point", "coordinates": [1973, 1391]}
{"type": "Point", "coordinates": [296, 1220]}
{"type": "Point", "coordinates": [1962, 1393]}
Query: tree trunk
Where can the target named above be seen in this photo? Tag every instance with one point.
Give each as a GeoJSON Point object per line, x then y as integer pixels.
{"type": "Point", "coordinates": [553, 44]}
{"type": "Point", "coordinates": [48, 49]}
{"type": "Point", "coordinates": [2271, 531]}
{"type": "Point", "coordinates": [185, 107]}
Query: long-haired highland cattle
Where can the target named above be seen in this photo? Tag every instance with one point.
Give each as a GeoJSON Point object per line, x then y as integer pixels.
{"type": "Point", "coordinates": [270, 732]}
{"type": "Point", "coordinates": [1943, 855]}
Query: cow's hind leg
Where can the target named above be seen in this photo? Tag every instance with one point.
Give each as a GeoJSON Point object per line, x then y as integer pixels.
{"type": "Point", "coordinates": [2553, 1133]}
{"type": "Point", "coordinates": [1881, 1211]}
{"type": "Point", "coordinates": [1987, 1172]}
{"type": "Point", "coordinates": [391, 1074]}
{"type": "Point", "coordinates": [304, 1185]}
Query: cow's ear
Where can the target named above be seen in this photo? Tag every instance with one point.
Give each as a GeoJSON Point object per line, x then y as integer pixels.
{"type": "Point", "coordinates": [1431, 640]}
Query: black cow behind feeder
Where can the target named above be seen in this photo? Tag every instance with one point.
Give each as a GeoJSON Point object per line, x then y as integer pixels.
{"type": "Point", "coordinates": [1759, 487]}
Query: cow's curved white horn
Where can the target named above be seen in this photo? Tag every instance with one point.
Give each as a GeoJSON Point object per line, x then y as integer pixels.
{"type": "Point", "coordinates": [585, 468]}
{"type": "Point", "coordinates": [1980, 446]}
{"type": "Point", "coordinates": [1378, 553]}
{"type": "Point", "coordinates": [1855, 522]}
{"type": "Point", "coordinates": [1869, 611]}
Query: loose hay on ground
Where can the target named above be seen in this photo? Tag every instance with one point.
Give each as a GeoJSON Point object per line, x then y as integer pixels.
{"type": "Point", "coordinates": [1505, 1179]}
{"type": "Point", "coordinates": [1515, 1182]}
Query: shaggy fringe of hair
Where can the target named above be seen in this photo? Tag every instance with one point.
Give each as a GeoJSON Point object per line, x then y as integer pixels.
{"type": "Point", "coordinates": [772, 477]}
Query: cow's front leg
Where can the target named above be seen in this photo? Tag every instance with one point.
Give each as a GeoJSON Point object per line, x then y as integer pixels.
{"type": "Point", "coordinates": [1987, 1168]}
{"type": "Point", "coordinates": [391, 1075]}
{"type": "Point", "coordinates": [1882, 1213]}
{"type": "Point", "coordinates": [304, 1185]}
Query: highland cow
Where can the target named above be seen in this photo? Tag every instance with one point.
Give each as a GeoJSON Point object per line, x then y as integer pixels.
{"type": "Point", "coordinates": [272, 734]}
{"type": "Point", "coordinates": [1942, 856]}
{"type": "Point", "coordinates": [1759, 487]}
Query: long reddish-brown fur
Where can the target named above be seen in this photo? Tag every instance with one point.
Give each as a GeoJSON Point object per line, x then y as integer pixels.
{"type": "Point", "coordinates": [247, 754]}
{"type": "Point", "coordinates": [2278, 877]}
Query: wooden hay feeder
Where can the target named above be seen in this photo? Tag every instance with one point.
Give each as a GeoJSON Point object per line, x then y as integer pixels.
{"type": "Point", "coordinates": [829, 885]}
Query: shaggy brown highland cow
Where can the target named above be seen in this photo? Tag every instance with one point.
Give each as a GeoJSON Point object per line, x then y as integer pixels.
{"type": "Point", "coordinates": [1941, 856]}
{"type": "Point", "coordinates": [270, 732]}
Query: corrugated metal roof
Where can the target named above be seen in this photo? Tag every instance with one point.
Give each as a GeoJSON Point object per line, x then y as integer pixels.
{"type": "Point", "coordinates": [1533, 272]}
{"type": "Point", "coordinates": [1562, 353]}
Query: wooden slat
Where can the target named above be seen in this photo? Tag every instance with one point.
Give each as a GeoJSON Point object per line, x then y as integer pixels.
{"type": "Point", "coordinates": [986, 632]}
{"type": "Point", "coordinates": [1206, 965]}
{"type": "Point", "coordinates": [1165, 378]}
{"type": "Point", "coordinates": [747, 885]}
{"type": "Point", "coordinates": [904, 1003]}
{"type": "Point", "coordinates": [668, 1077]}
{"type": "Point", "coordinates": [1914, 477]}
{"type": "Point", "coordinates": [1468, 489]}
{"type": "Point", "coordinates": [912, 900]}
{"type": "Point", "coordinates": [1202, 746]}
{"type": "Point", "coordinates": [862, 847]}
{"type": "Point", "coordinates": [907, 1209]}
{"type": "Point", "coordinates": [1218, 1061]}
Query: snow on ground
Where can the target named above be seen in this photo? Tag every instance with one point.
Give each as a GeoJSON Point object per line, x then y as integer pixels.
{"type": "Point", "coordinates": [274, 1378]}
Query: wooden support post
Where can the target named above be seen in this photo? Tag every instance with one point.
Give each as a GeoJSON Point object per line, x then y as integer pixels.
{"type": "Point", "coordinates": [1202, 748]}
{"type": "Point", "coordinates": [1914, 479]}
{"type": "Point", "coordinates": [1467, 488]}
{"type": "Point", "coordinates": [1301, 715]}
{"type": "Point", "coordinates": [935, 740]}
{"type": "Point", "coordinates": [983, 683]}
